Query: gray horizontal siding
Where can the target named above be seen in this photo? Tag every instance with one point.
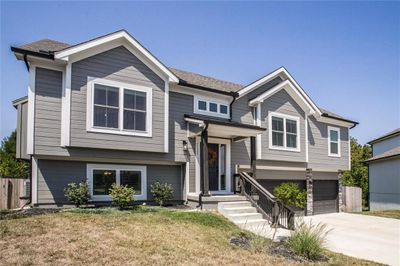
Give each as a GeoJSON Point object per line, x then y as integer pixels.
{"type": "Point", "coordinates": [385, 145]}
{"type": "Point", "coordinates": [281, 175]}
{"type": "Point", "coordinates": [281, 102]}
{"type": "Point", "coordinates": [117, 64]}
{"type": "Point", "coordinates": [47, 130]}
{"type": "Point", "coordinates": [54, 176]}
{"type": "Point", "coordinates": [22, 123]}
{"type": "Point", "coordinates": [318, 147]}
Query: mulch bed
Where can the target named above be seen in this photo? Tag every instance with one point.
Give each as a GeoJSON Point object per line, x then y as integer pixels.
{"type": "Point", "coordinates": [276, 249]}
{"type": "Point", "coordinates": [13, 214]}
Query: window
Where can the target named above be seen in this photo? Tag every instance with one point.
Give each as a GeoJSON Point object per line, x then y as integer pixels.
{"type": "Point", "coordinates": [101, 177]}
{"type": "Point", "coordinates": [119, 108]}
{"type": "Point", "coordinates": [211, 107]}
{"type": "Point", "coordinates": [334, 141]}
{"type": "Point", "coordinates": [223, 109]}
{"type": "Point", "coordinates": [284, 132]}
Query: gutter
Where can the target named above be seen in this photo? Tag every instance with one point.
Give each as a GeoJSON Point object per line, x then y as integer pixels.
{"type": "Point", "coordinates": [194, 86]}
{"type": "Point", "coordinates": [25, 54]}
{"type": "Point", "coordinates": [234, 97]}
{"type": "Point", "coordinates": [341, 119]}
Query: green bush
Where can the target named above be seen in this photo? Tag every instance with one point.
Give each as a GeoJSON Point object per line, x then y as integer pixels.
{"type": "Point", "coordinates": [78, 194]}
{"type": "Point", "coordinates": [308, 240]}
{"type": "Point", "coordinates": [122, 196]}
{"type": "Point", "coordinates": [291, 195]}
{"type": "Point", "coordinates": [161, 192]}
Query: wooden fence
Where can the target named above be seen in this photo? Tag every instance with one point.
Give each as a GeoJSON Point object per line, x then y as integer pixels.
{"type": "Point", "coordinates": [352, 199]}
{"type": "Point", "coordinates": [11, 189]}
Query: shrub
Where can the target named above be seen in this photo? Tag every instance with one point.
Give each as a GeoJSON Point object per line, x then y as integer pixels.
{"type": "Point", "coordinates": [308, 240]}
{"type": "Point", "coordinates": [161, 192]}
{"type": "Point", "coordinates": [77, 194]}
{"type": "Point", "coordinates": [122, 196]}
{"type": "Point", "coordinates": [291, 195]}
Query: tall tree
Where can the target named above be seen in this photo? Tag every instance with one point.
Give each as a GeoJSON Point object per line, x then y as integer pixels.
{"type": "Point", "coordinates": [10, 166]}
{"type": "Point", "coordinates": [358, 174]}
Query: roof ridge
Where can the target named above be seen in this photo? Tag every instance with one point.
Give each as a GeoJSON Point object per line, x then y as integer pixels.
{"type": "Point", "coordinates": [209, 77]}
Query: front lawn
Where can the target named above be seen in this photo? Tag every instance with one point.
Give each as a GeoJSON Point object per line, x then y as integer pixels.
{"type": "Point", "coordinates": [144, 236]}
{"type": "Point", "coordinates": [395, 214]}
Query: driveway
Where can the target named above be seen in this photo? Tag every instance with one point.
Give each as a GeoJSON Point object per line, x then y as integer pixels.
{"type": "Point", "coordinates": [361, 236]}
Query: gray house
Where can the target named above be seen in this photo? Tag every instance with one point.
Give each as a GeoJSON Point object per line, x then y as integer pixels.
{"type": "Point", "coordinates": [108, 111]}
{"type": "Point", "coordinates": [384, 172]}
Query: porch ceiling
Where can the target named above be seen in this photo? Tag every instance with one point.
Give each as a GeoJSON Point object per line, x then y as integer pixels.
{"type": "Point", "coordinates": [225, 128]}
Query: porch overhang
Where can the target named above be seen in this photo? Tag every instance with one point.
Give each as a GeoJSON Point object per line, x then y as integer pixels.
{"type": "Point", "coordinates": [225, 128]}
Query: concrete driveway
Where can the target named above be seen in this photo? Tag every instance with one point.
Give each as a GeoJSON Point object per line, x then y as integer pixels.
{"type": "Point", "coordinates": [361, 236]}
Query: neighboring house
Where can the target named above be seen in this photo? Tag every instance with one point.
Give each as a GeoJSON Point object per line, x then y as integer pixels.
{"type": "Point", "coordinates": [384, 172]}
{"type": "Point", "coordinates": [108, 111]}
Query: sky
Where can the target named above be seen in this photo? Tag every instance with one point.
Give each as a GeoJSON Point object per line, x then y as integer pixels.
{"type": "Point", "coordinates": [345, 55]}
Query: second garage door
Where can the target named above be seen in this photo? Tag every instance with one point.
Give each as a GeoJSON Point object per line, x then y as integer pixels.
{"type": "Point", "coordinates": [325, 196]}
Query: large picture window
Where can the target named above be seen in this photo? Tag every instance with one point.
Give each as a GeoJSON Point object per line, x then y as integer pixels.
{"type": "Point", "coordinates": [101, 177]}
{"type": "Point", "coordinates": [119, 108]}
{"type": "Point", "coordinates": [334, 141]}
{"type": "Point", "coordinates": [284, 132]}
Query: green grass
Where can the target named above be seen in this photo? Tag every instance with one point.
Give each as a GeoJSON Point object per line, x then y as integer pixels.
{"type": "Point", "coordinates": [395, 214]}
{"type": "Point", "coordinates": [139, 236]}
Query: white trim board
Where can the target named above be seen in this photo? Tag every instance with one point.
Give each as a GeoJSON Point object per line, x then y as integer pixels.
{"type": "Point", "coordinates": [30, 149]}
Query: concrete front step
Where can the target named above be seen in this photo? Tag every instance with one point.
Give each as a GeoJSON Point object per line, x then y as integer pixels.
{"type": "Point", "coordinates": [241, 217]}
{"type": "Point", "coordinates": [234, 204]}
{"type": "Point", "coordinates": [235, 210]}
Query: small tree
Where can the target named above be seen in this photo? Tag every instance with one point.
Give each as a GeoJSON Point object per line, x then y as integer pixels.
{"type": "Point", "coordinates": [161, 192]}
{"type": "Point", "coordinates": [291, 195]}
{"type": "Point", "coordinates": [77, 194]}
{"type": "Point", "coordinates": [122, 196]}
{"type": "Point", "coordinates": [10, 166]}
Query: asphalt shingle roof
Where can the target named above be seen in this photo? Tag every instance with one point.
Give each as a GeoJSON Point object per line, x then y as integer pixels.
{"type": "Point", "coordinates": [387, 135]}
{"type": "Point", "coordinates": [390, 153]}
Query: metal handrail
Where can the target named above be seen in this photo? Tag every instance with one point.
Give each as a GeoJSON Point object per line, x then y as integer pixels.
{"type": "Point", "coordinates": [267, 204]}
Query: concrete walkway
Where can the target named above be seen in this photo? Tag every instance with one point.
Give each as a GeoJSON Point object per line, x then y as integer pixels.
{"type": "Point", "coordinates": [361, 236]}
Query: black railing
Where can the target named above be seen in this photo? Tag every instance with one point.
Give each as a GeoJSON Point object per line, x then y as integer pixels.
{"type": "Point", "coordinates": [267, 204]}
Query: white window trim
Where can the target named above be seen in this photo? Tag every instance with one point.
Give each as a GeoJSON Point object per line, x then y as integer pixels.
{"type": "Point", "coordinates": [284, 117]}
{"type": "Point", "coordinates": [330, 154]}
{"type": "Point", "coordinates": [208, 112]}
{"type": "Point", "coordinates": [121, 86]}
{"type": "Point", "coordinates": [118, 169]}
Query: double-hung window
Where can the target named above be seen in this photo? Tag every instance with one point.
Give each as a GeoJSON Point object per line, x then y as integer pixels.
{"type": "Point", "coordinates": [284, 132]}
{"type": "Point", "coordinates": [119, 108]}
{"type": "Point", "coordinates": [334, 141]}
{"type": "Point", "coordinates": [101, 177]}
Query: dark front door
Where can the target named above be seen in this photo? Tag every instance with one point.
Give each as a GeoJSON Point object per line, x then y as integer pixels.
{"type": "Point", "coordinates": [213, 166]}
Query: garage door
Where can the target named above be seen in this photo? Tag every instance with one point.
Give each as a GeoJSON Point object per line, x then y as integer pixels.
{"type": "Point", "coordinates": [325, 193]}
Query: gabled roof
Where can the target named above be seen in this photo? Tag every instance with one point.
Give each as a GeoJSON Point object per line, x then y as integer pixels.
{"type": "Point", "coordinates": [52, 49]}
{"type": "Point", "coordinates": [390, 134]}
{"type": "Point", "coordinates": [395, 152]}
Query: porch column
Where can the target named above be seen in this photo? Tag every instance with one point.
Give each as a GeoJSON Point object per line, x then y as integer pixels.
{"type": "Point", "coordinates": [253, 161]}
{"type": "Point", "coordinates": [340, 190]}
{"type": "Point", "coordinates": [204, 163]}
{"type": "Point", "coordinates": [310, 197]}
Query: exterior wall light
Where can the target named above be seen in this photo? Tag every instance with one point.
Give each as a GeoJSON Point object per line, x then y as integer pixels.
{"type": "Point", "coordinates": [185, 145]}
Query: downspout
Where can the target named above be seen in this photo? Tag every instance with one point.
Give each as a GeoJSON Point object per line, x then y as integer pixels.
{"type": "Point", "coordinates": [234, 96]}
{"type": "Point", "coordinates": [202, 174]}
{"type": "Point", "coordinates": [26, 61]}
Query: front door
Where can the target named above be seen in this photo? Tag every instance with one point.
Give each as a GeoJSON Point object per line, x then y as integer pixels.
{"type": "Point", "coordinates": [213, 166]}
{"type": "Point", "coordinates": [217, 166]}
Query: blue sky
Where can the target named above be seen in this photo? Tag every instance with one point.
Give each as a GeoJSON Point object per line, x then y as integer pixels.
{"type": "Point", "coordinates": [346, 55]}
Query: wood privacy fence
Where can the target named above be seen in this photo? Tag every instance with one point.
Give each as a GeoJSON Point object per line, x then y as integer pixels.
{"type": "Point", "coordinates": [352, 199]}
{"type": "Point", "coordinates": [11, 189]}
